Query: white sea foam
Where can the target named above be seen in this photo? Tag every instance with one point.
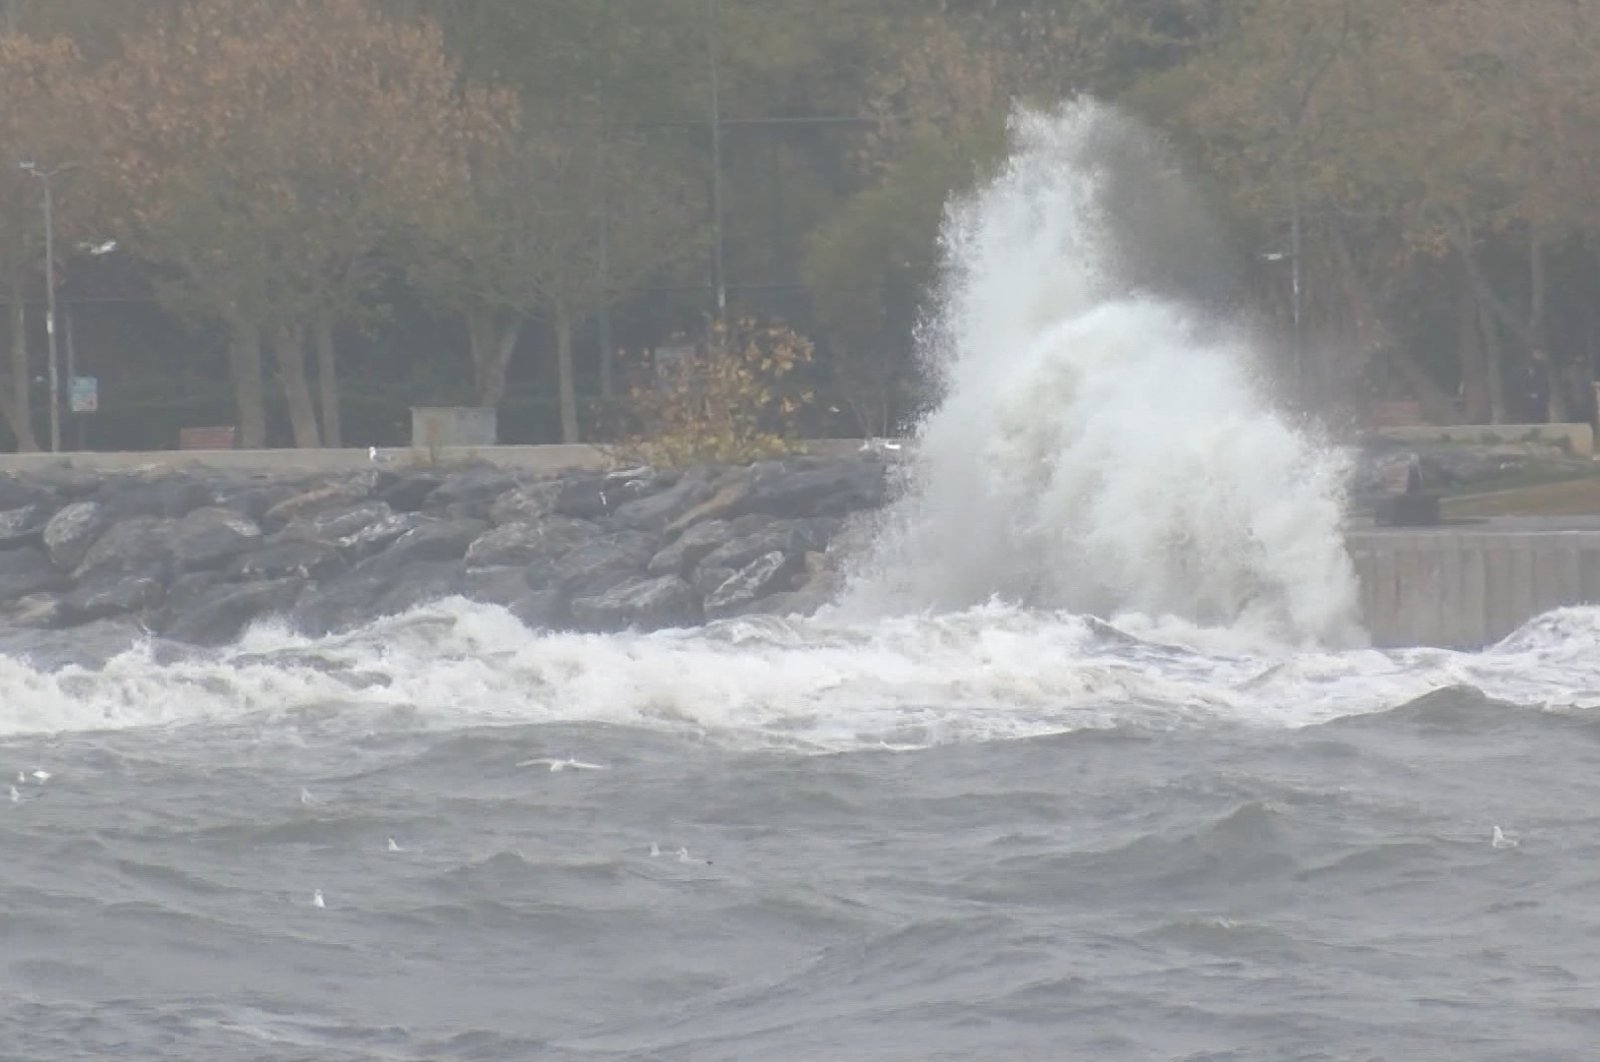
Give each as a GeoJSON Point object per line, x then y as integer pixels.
{"type": "Point", "coordinates": [991, 672]}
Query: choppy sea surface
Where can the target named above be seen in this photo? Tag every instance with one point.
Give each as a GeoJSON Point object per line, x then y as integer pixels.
{"type": "Point", "coordinates": [996, 834]}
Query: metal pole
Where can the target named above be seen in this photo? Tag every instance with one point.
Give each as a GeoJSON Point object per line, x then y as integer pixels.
{"type": "Point", "coordinates": [717, 280]}
{"type": "Point", "coordinates": [50, 313]}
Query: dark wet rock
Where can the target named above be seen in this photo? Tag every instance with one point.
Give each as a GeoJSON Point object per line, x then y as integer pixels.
{"type": "Point", "coordinates": [602, 563]}
{"type": "Point", "coordinates": [741, 551]}
{"type": "Point", "coordinates": [642, 603]}
{"type": "Point", "coordinates": [36, 610]}
{"type": "Point", "coordinates": [69, 533]}
{"type": "Point", "coordinates": [27, 570]}
{"type": "Point", "coordinates": [494, 586]}
{"type": "Point", "coordinates": [471, 492]}
{"type": "Point", "coordinates": [23, 526]}
{"type": "Point", "coordinates": [653, 512]}
{"type": "Point", "coordinates": [311, 502]}
{"type": "Point", "coordinates": [253, 500]}
{"type": "Point", "coordinates": [409, 493]}
{"type": "Point", "coordinates": [728, 501]}
{"type": "Point", "coordinates": [587, 497]}
{"type": "Point", "coordinates": [220, 613]}
{"type": "Point", "coordinates": [433, 541]}
{"type": "Point", "coordinates": [830, 489]}
{"type": "Point", "coordinates": [786, 603]}
{"type": "Point", "coordinates": [708, 579]}
{"type": "Point", "coordinates": [767, 573]}
{"type": "Point", "coordinates": [423, 583]}
{"type": "Point", "coordinates": [333, 522]}
{"type": "Point", "coordinates": [112, 593]}
{"type": "Point", "coordinates": [541, 610]}
{"type": "Point", "coordinates": [138, 543]}
{"type": "Point", "coordinates": [689, 548]}
{"type": "Point", "coordinates": [524, 544]}
{"type": "Point", "coordinates": [529, 503]}
{"type": "Point", "coordinates": [169, 496]}
{"type": "Point", "coordinates": [211, 537]}
{"type": "Point", "coordinates": [18, 494]}
{"type": "Point", "coordinates": [283, 560]}
{"type": "Point", "coordinates": [374, 538]}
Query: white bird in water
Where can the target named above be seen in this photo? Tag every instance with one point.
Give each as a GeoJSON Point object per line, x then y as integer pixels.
{"type": "Point", "coordinates": [16, 797]}
{"type": "Point", "coordinates": [316, 898]}
{"type": "Point", "coordinates": [683, 855]}
{"type": "Point", "coordinates": [561, 765]}
{"type": "Point", "coordinates": [655, 849]}
{"type": "Point", "coordinates": [1500, 839]}
{"type": "Point", "coordinates": [41, 777]}
{"type": "Point", "coordinates": [306, 797]}
{"type": "Point", "coordinates": [394, 846]}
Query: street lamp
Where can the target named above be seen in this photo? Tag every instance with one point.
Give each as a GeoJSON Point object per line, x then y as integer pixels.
{"type": "Point", "coordinates": [50, 295]}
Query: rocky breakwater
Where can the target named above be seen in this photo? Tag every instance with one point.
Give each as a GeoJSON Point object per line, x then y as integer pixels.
{"type": "Point", "coordinates": [196, 556]}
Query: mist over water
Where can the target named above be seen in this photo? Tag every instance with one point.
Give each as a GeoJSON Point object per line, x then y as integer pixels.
{"type": "Point", "coordinates": [1102, 445]}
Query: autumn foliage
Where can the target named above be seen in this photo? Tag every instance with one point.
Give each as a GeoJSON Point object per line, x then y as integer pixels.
{"type": "Point", "coordinates": [736, 396]}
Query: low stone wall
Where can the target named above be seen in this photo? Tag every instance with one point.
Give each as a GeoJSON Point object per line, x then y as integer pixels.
{"type": "Point", "coordinates": [195, 554]}
{"type": "Point", "coordinates": [1573, 438]}
{"type": "Point", "coordinates": [1468, 586]}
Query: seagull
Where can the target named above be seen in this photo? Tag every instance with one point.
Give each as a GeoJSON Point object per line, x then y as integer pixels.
{"type": "Point", "coordinates": [16, 797]}
{"type": "Point", "coordinates": [316, 898]}
{"type": "Point", "coordinates": [655, 849]}
{"type": "Point", "coordinates": [561, 765]}
{"type": "Point", "coordinates": [41, 777]}
{"type": "Point", "coordinates": [683, 855]}
{"type": "Point", "coordinates": [98, 249]}
{"type": "Point", "coordinates": [394, 847]}
{"type": "Point", "coordinates": [305, 797]}
{"type": "Point", "coordinates": [1500, 840]}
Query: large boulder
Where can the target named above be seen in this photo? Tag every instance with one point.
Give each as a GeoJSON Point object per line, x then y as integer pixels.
{"type": "Point", "coordinates": [18, 494]}
{"type": "Point", "coordinates": [494, 586]}
{"type": "Point", "coordinates": [19, 527]}
{"type": "Point", "coordinates": [315, 500]}
{"type": "Point", "coordinates": [136, 544]}
{"type": "Point", "coordinates": [735, 554]}
{"type": "Point", "coordinates": [471, 492]}
{"type": "Point", "coordinates": [421, 583]}
{"type": "Point", "coordinates": [529, 503]}
{"type": "Point", "coordinates": [27, 570]}
{"type": "Point", "coordinates": [170, 496]}
{"type": "Point", "coordinates": [409, 493]}
{"type": "Point", "coordinates": [807, 487]}
{"type": "Point", "coordinates": [286, 560]}
{"type": "Point", "coordinates": [210, 537]}
{"type": "Point", "coordinates": [766, 574]}
{"type": "Point", "coordinates": [220, 613]}
{"type": "Point", "coordinates": [433, 541]}
{"type": "Point", "coordinates": [113, 593]}
{"type": "Point", "coordinates": [654, 511]}
{"type": "Point", "coordinates": [641, 603]}
{"type": "Point", "coordinates": [689, 548]}
{"type": "Point", "coordinates": [69, 533]}
{"type": "Point", "coordinates": [377, 536]}
{"type": "Point", "coordinates": [596, 565]}
{"type": "Point", "coordinates": [524, 544]}
{"type": "Point", "coordinates": [333, 522]}
{"type": "Point", "coordinates": [728, 501]}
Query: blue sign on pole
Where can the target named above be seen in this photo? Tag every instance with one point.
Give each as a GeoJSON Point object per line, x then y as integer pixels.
{"type": "Point", "coordinates": [84, 393]}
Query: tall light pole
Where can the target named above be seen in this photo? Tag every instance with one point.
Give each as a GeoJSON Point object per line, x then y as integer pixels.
{"type": "Point", "coordinates": [50, 297]}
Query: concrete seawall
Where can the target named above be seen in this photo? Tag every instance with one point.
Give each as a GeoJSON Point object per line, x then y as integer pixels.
{"type": "Point", "coordinates": [1468, 585]}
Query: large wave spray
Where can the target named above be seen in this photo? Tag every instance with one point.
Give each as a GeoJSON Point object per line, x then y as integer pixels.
{"type": "Point", "coordinates": [1101, 445]}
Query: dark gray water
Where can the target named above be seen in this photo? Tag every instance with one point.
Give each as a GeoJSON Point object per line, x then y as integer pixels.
{"type": "Point", "coordinates": [1185, 883]}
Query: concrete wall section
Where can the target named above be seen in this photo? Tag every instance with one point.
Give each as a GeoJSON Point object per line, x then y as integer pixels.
{"type": "Point", "coordinates": [1469, 586]}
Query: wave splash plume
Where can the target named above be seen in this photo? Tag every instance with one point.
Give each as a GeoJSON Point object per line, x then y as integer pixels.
{"type": "Point", "coordinates": [1101, 446]}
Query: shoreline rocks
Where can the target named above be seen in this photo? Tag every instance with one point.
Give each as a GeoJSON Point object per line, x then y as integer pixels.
{"type": "Point", "coordinates": [196, 556]}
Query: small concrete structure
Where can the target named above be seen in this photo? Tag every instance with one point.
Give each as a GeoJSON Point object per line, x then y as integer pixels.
{"type": "Point", "coordinates": [1466, 586]}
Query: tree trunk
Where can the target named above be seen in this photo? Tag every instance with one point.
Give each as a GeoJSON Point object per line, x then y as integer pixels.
{"type": "Point", "coordinates": [1493, 364]}
{"type": "Point", "coordinates": [564, 372]}
{"type": "Point", "coordinates": [16, 406]}
{"type": "Point", "coordinates": [1469, 351]}
{"type": "Point", "coordinates": [328, 382]}
{"type": "Point", "coordinates": [492, 345]}
{"type": "Point", "coordinates": [244, 361]}
{"type": "Point", "coordinates": [288, 347]}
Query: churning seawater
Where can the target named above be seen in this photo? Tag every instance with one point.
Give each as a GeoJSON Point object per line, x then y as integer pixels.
{"type": "Point", "coordinates": [953, 817]}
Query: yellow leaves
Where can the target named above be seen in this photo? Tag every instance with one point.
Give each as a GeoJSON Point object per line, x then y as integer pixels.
{"type": "Point", "coordinates": [731, 398]}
